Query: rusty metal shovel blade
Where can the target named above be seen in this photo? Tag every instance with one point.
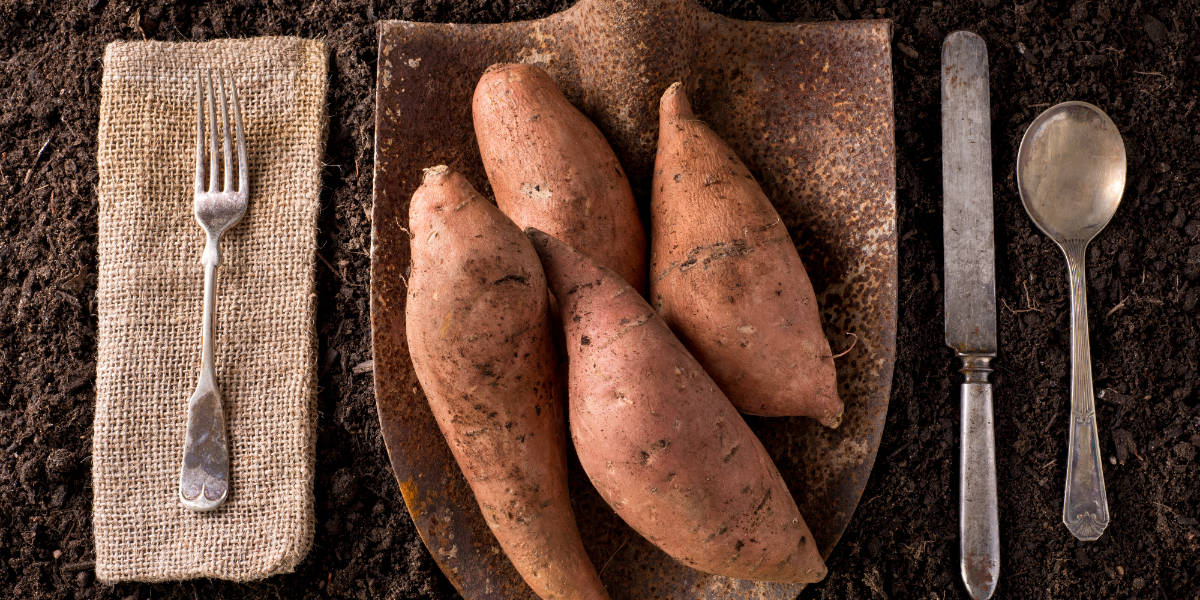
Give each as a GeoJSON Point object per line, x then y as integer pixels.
{"type": "Point", "coordinates": [807, 106]}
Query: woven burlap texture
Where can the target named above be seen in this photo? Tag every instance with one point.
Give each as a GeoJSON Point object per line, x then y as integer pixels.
{"type": "Point", "coordinates": [150, 300]}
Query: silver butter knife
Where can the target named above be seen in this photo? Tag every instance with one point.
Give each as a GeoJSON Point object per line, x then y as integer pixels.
{"type": "Point", "coordinates": [971, 296]}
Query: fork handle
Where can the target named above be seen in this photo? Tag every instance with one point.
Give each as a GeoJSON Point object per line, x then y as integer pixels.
{"type": "Point", "coordinates": [211, 258]}
{"type": "Point", "coordinates": [204, 476]}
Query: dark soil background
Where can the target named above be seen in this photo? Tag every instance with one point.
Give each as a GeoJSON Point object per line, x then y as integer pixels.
{"type": "Point", "coordinates": [1138, 60]}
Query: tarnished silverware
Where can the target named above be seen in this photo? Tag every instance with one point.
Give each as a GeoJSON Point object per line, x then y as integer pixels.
{"type": "Point", "coordinates": [204, 476]}
{"type": "Point", "coordinates": [1071, 175]}
{"type": "Point", "coordinates": [971, 297]}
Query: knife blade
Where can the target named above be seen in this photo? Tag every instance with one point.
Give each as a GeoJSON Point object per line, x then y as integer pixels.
{"type": "Point", "coordinates": [970, 296]}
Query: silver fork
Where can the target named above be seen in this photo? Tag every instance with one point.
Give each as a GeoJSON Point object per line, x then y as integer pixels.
{"type": "Point", "coordinates": [204, 477]}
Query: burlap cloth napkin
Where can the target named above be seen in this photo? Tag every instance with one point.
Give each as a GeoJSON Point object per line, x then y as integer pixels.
{"type": "Point", "coordinates": [150, 302]}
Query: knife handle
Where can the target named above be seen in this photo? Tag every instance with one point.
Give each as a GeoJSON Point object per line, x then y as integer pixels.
{"type": "Point", "coordinates": [979, 529]}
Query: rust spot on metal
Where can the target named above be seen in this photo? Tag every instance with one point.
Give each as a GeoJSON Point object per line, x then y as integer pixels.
{"type": "Point", "coordinates": [408, 490]}
{"type": "Point", "coordinates": [807, 106]}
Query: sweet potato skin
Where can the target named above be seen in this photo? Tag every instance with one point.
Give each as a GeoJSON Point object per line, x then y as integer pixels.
{"type": "Point", "coordinates": [726, 276]}
{"type": "Point", "coordinates": [659, 440]}
{"type": "Point", "coordinates": [480, 339]}
{"type": "Point", "coordinates": [551, 168]}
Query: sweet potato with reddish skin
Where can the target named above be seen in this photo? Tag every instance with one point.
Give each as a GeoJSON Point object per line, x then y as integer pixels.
{"type": "Point", "coordinates": [726, 276]}
{"type": "Point", "coordinates": [551, 168]}
{"type": "Point", "coordinates": [479, 335]}
{"type": "Point", "coordinates": [659, 440]}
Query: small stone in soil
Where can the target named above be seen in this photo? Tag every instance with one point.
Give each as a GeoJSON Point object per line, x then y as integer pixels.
{"type": "Point", "coordinates": [1154, 29]}
{"type": "Point", "coordinates": [59, 464]}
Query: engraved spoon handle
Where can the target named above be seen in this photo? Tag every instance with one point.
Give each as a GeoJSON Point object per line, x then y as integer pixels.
{"type": "Point", "coordinates": [1085, 504]}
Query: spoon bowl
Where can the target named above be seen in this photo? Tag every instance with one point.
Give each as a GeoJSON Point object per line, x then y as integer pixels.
{"type": "Point", "coordinates": [1071, 171]}
{"type": "Point", "coordinates": [1071, 174]}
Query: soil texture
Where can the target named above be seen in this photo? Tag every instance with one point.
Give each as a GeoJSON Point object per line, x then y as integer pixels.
{"type": "Point", "coordinates": [1139, 60]}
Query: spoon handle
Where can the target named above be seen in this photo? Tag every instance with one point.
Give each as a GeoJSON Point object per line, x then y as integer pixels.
{"type": "Point", "coordinates": [1085, 505]}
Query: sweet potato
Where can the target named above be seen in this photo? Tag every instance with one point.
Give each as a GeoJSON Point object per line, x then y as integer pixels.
{"type": "Point", "coordinates": [479, 334]}
{"type": "Point", "coordinates": [552, 169]}
{"type": "Point", "coordinates": [726, 276]}
{"type": "Point", "coordinates": [659, 440]}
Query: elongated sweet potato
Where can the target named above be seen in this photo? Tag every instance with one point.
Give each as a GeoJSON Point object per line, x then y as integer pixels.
{"type": "Point", "coordinates": [551, 168]}
{"type": "Point", "coordinates": [659, 440]}
{"type": "Point", "coordinates": [480, 339]}
{"type": "Point", "coordinates": [726, 276]}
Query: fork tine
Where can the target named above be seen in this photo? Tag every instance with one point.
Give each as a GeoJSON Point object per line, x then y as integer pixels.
{"type": "Point", "coordinates": [212, 138]}
{"type": "Point", "coordinates": [243, 170]}
{"type": "Point", "coordinates": [225, 131]}
{"type": "Point", "coordinates": [199, 132]}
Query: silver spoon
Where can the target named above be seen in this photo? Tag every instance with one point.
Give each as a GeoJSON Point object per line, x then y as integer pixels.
{"type": "Point", "coordinates": [1071, 174]}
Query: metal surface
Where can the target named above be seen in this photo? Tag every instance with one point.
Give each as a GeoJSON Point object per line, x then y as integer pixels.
{"type": "Point", "coordinates": [1071, 175]}
{"type": "Point", "coordinates": [204, 475]}
{"type": "Point", "coordinates": [978, 525]}
{"type": "Point", "coordinates": [807, 106]}
{"type": "Point", "coordinates": [967, 192]}
{"type": "Point", "coordinates": [970, 297]}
